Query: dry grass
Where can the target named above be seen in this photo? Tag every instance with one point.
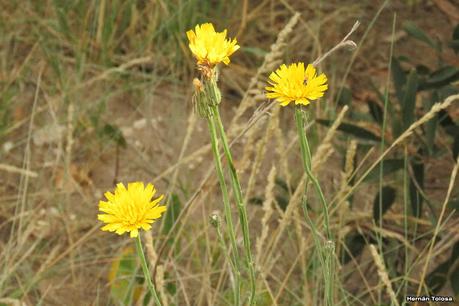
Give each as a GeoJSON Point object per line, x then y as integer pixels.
{"type": "Point", "coordinates": [69, 68]}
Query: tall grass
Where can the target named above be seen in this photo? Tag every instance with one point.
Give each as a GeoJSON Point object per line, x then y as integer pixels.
{"type": "Point", "coordinates": [116, 75]}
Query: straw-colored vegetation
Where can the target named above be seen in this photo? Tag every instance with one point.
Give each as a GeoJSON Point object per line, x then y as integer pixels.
{"type": "Point", "coordinates": [340, 191]}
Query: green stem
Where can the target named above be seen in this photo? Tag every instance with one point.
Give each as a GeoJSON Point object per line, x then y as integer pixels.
{"type": "Point", "coordinates": [326, 253]}
{"type": "Point", "coordinates": [240, 203]}
{"type": "Point", "coordinates": [146, 271]}
{"type": "Point", "coordinates": [227, 208]}
{"type": "Point", "coordinates": [306, 157]}
{"type": "Point", "coordinates": [230, 260]}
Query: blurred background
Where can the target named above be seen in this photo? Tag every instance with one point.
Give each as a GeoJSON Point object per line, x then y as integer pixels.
{"type": "Point", "coordinates": [98, 92]}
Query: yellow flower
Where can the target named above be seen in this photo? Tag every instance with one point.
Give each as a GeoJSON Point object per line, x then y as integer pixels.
{"type": "Point", "coordinates": [131, 208]}
{"type": "Point", "coordinates": [294, 83]}
{"type": "Point", "coordinates": [210, 47]}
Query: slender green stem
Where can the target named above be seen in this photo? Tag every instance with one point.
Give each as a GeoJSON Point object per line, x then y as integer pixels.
{"type": "Point", "coordinates": [227, 208]}
{"type": "Point", "coordinates": [146, 271]}
{"type": "Point", "coordinates": [306, 157]}
{"type": "Point", "coordinates": [221, 240]}
{"type": "Point", "coordinates": [240, 204]}
{"type": "Point", "coordinates": [326, 253]}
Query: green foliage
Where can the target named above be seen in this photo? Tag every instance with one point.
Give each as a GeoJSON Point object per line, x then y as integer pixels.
{"type": "Point", "coordinates": [389, 166]}
{"type": "Point", "coordinates": [174, 207]}
{"type": "Point", "coordinates": [409, 80]}
{"type": "Point", "coordinates": [413, 30]}
{"type": "Point", "coordinates": [449, 269]}
{"type": "Point", "coordinates": [353, 130]}
{"type": "Point", "coordinates": [382, 202]}
{"type": "Point", "coordinates": [112, 133]}
{"type": "Point", "coordinates": [125, 287]}
{"type": "Point", "coordinates": [354, 243]}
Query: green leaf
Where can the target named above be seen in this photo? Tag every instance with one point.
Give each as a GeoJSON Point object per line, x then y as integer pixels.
{"type": "Point", "coordinates": [399, 78]}
{"type": "Point", "coordinates": [412, 30]}
{"type": "Point", "coordinates": [422, 69]}
{"type": "Point", "coordinates": [354, 243]}
{"type": "Point", "coordinates": [454, 204]}
{"type": "Point", "coordinates": [409, 99]}
{"type": "Point", "coordinates": [431, 125]}
{"type": "Point", "coordinates": [376, 111]}
{"type": "Point", "coordinates": [455, 148]}
{"type": "Point", "coordinates": [124, 287]}
{"type": "Point", "coordinates": [454, 44]}
{"type": "Point", "coordinates": [454, 279]}
{"type": "Point", "coordinates": [172, 212]}
{"type": "Point", "coordinates": [389, 166]}
{"type": "Point", "coordinates": [436, 279]}
{"type": "Point", "coordinates": [281, 183]}
{"type": "Point", "coordinates": [441, 77]}
{"type": "Point", "coordinates": [114, 134]}
{"type": "Point", "coordinates": [353, 130]}
{"type": "Point", "coordinates": [382, 202]}
{"type": "Point", "coordinates": [256, 200]}
{"type": "Point", "coordinates": [456, 32]}
{"type": "Point", "coordinates": [416, 197]}
{"type": "Point", "coordinates": [454, 275]}
{"type": "Point", "coordinates": [344, 96]}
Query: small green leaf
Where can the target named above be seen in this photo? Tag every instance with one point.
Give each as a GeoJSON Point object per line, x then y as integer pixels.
{"type": "Point", "coordinates": [412, 30]}
{"type": "Point", "coordinates": [382, 202]}
{"type": "Point", "coordinates": [431, 125]}
{"type": "Point", "coordinates": [354, 243]}
{"type": "Point", "coordinates": [344, 96]}
{"type": "Point", "coordinates": [124, 287]}
{"type": "Point", "coordinates": [441, 77]}
{"type": "Point", "coordinates": [454, 204]}
{"type": "Point", "coordinates": [353, 130]}
{"type": "Point", "coordinates": [114, 134]}
{"type": "Point", "coordinates": [456, 32]}
{"type": "Point", "coordinates": [389, 166]}
{"type": "Point", "coordinates": [376, 111]}
{"type": "Point", "coordinates": [436, 280]}
{"type": "Point", "coordinates": [454, 279]}
{"type": "Point", "coordinates": [417, 178]}
{"type": "Point", "coordinates": [399, 78]}
{"type": "Point", "coordinates": [172, 212]}
{"type": "Point", "coordinates": [454, 44]}
{"type": "Point", "coordinates": [281, 183]}
{"type": "Point", "coordinates": [409, 99]}
{"type": "Point", "coordinates": [422, 70]}
{"type": "Point", "coordinates": [455, 148]}
{"type": "Point", "coordinates": [256, 200]}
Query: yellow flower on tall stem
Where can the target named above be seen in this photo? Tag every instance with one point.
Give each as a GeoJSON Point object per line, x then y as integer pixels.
{"type": "Point", "coordinates": [210, 47]}
{"type": "Point", "coordinates": [294, 83]}
{"type": "Point", "coordinates": [128, 210]}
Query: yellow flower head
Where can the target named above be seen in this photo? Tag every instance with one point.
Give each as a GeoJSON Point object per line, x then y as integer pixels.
{"type": "Point", "coordinates": [131, 208]}
{"type": "Point", "coordinates": [210, 47]}
{"type": "Point", "coordinates": [294, 83]}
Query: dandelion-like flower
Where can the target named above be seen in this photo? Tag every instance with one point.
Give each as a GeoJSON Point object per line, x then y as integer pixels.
{"type": "Point", "coordinates": [295, 83]}
{"type": "Point", "coordinates": [210, 47]}
{"type": "Point", "coordinates": [130, 209]}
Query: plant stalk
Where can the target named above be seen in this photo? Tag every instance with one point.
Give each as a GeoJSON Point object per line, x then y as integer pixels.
{"type": "Point", "coordinates": [240, 203]}
{"type": "Point", "coordinates": [146, 271]}
{"type": "Point", "coordinates": [325, 252]}
{"type": "Point", "coordinates": [227, 208]}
